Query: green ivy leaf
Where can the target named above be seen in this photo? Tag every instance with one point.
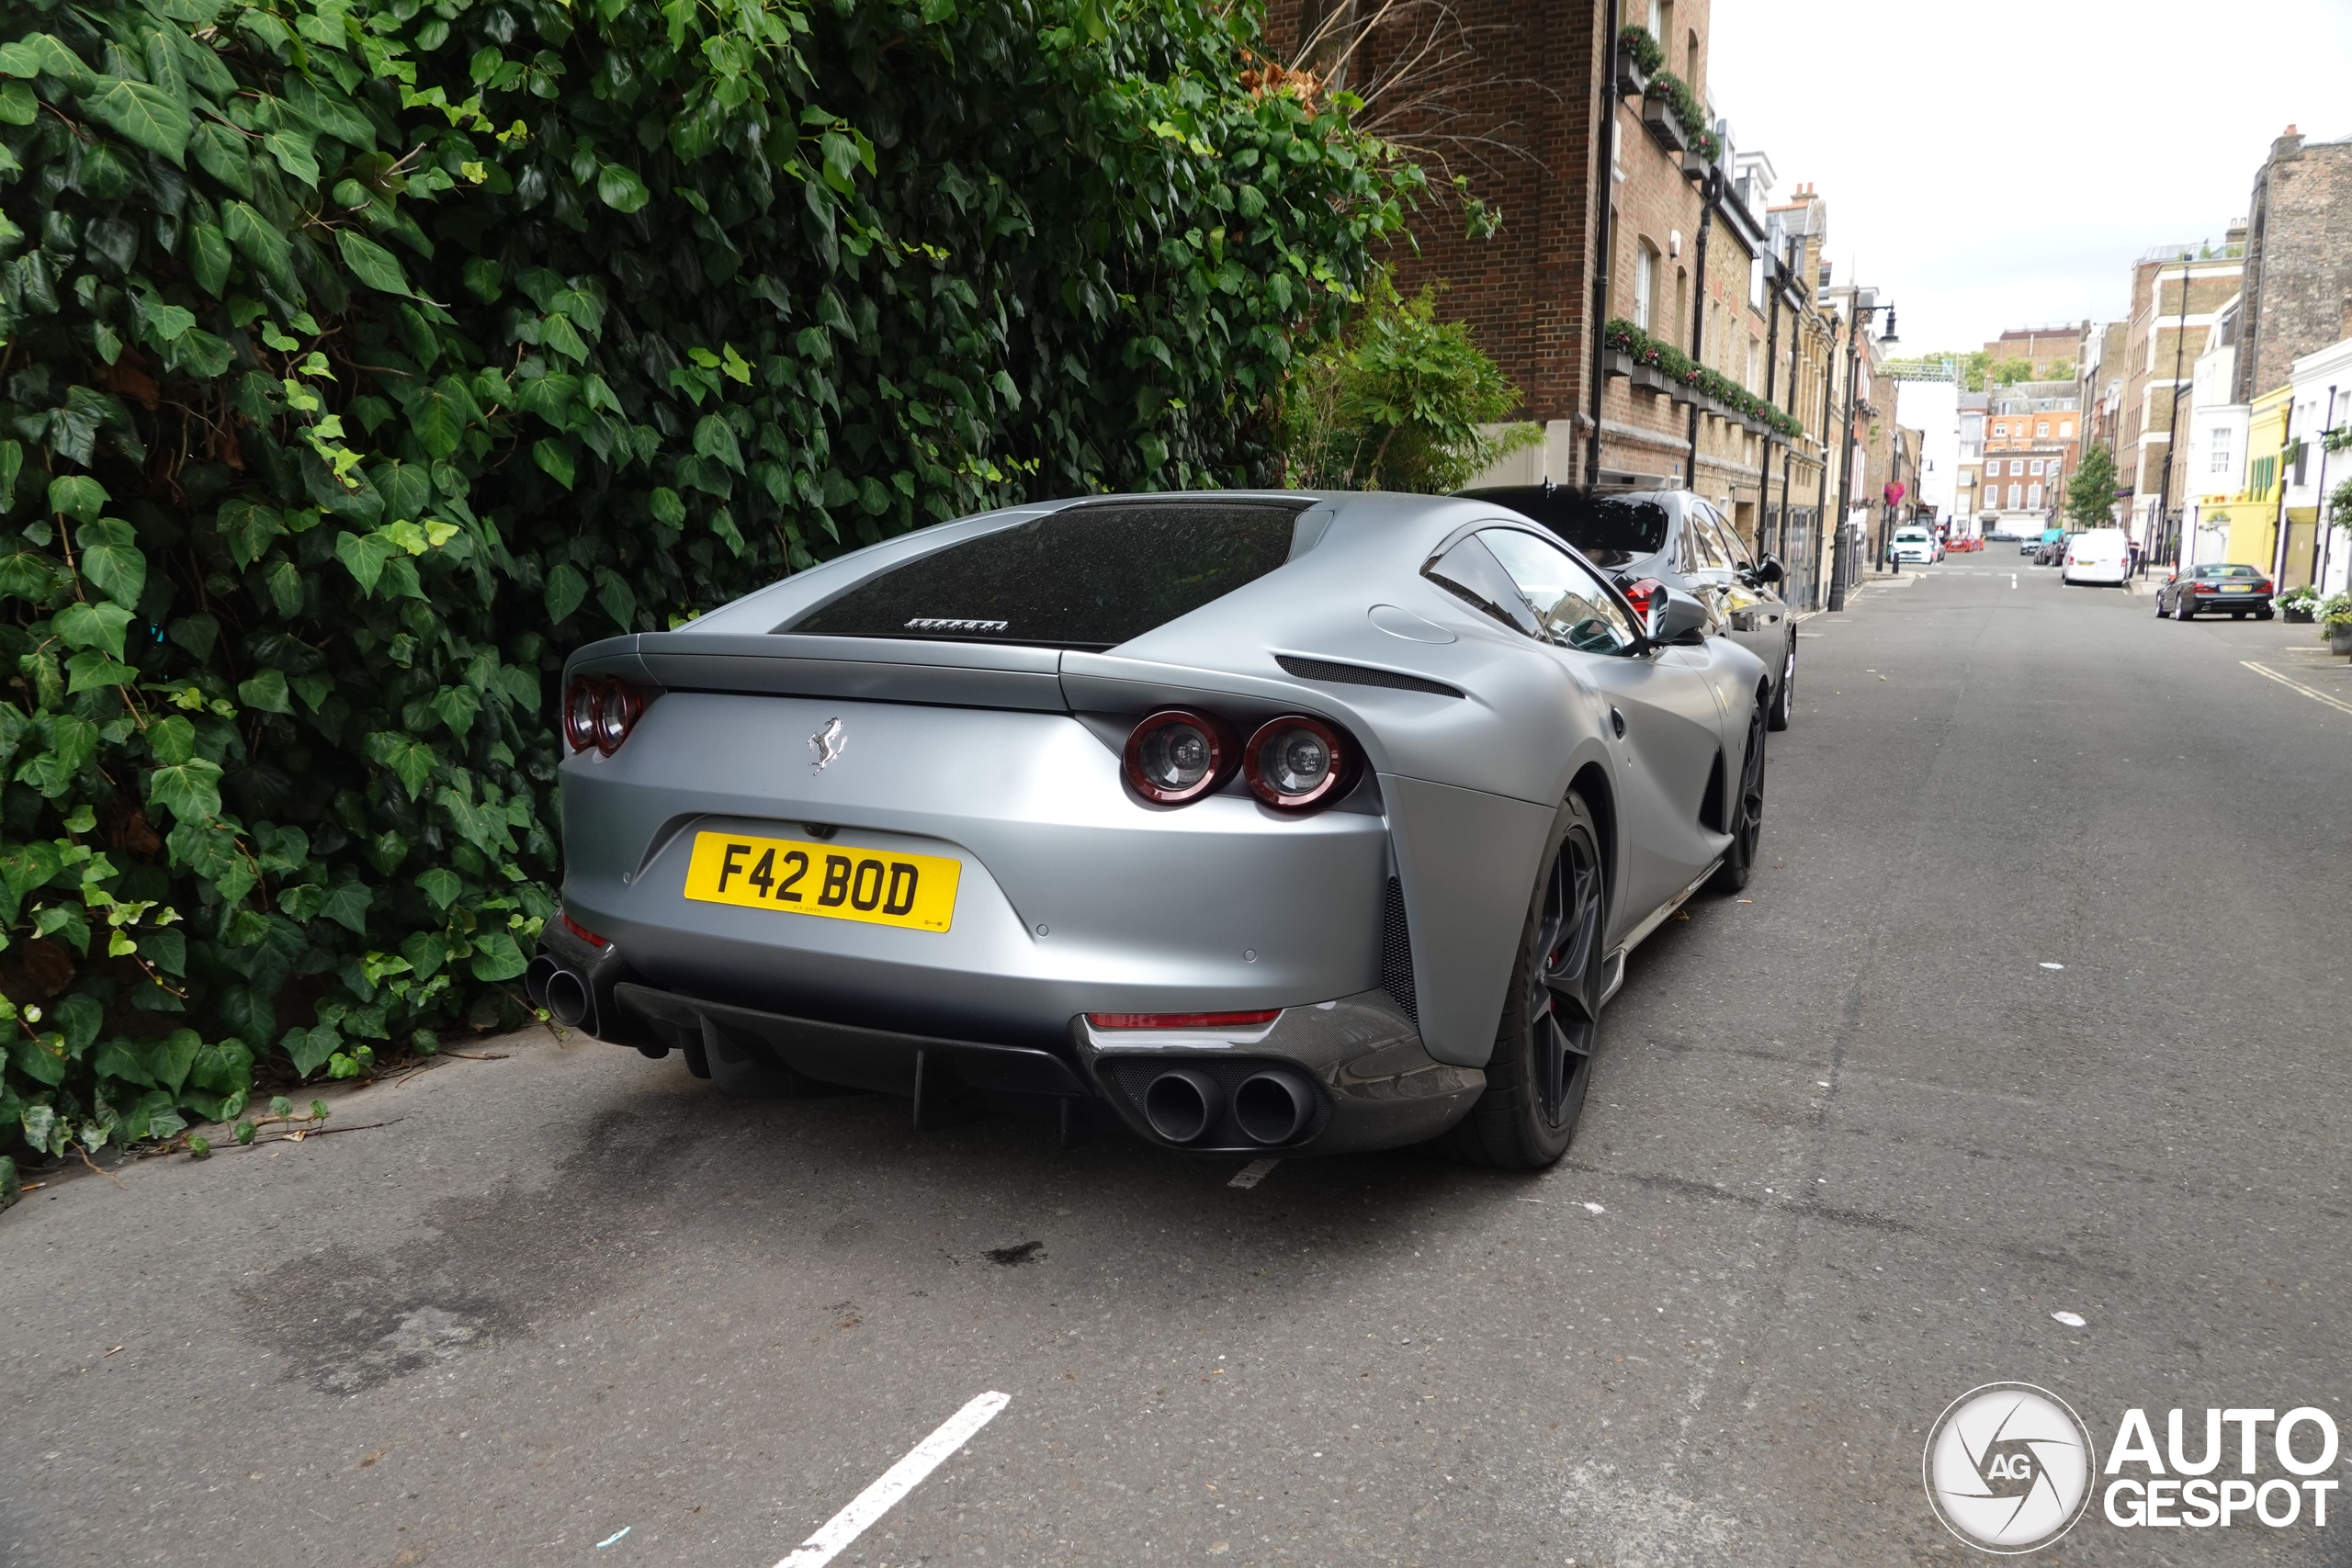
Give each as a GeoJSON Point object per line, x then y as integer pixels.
{"type": "Point", "coordinates": [411, 760]}
{"type": "Point", "coordinates": [371, 264]}
{"type": "Point", "coordinates": [441, 884]}
{"type": "Point", "coordinates": [258, 240]}
{"type": "Point", "coordinates": [92, 625]}
{"type": "Point", "coordinates": [266, 690]}
{"type": "Point", "coordinates": [92, 669]}
{"type": "Point", "coordinates": [190, 791]}
{"type": "Point", "coordinates": [620, 190]}
{"type": "Point", "coordinates": [309, 1049]}
{"type": "Point", "coordinates": [111, 557]}
{"type": "Point", "coordinates": [171, 740]}
{"type": "Point", "coordinates": [77, 496]}
{"type": "Point", "coordinates": [565, 590]}
{"type": "Point", "coordinates": [247, 527]}
{"type": "Point", "coordinates": [554, 458]}
{"type": "Point", "coordinates": [496, 957]}
{"type": "Point", "coordinates": [144, 116]}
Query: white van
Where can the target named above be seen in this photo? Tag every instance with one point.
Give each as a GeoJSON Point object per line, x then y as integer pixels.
{"type": "Point", "coordinates": [2097, 556]}
{"type": "Point", "coordinates": [1914, 544]}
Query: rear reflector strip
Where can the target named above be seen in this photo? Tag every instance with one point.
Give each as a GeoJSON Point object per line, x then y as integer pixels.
{"type": "Point", "coordinates": [1182, 1019]}
{"type": "Point", "coordinates": [582, 933]}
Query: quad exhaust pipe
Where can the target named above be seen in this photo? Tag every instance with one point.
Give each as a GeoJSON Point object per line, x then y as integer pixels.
{"type": "Point", "coordinates": [1273, 1108]}
{"type": "Point", "coordinates": [563, 992]}
{"type": "Point", "coordinates": [1185, 1105]}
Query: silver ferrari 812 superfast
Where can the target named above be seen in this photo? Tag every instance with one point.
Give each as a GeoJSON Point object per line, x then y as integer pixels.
{"type": "Point", "coordinates": [1273, 823]}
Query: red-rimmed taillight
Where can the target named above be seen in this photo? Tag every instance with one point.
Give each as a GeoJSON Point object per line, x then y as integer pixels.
{"type": "Point", "coordinates": [1182, 1019]}
{"type": "Point", "coordinates": [1176, 757]}
{"type": "Point", "coordinates": [1295, 762]}
{"type": "Point", "coordinates": [599, 711]}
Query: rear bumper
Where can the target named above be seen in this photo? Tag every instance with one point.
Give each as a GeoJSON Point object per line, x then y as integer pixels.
{"type": "Point", "coordinates": [2237, 602]}
{"type": "Point", "coordinates": [1372, 1084]}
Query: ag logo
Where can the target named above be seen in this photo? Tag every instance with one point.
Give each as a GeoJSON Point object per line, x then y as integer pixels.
{"type": "Point", "coordinates": [2009, 1468]}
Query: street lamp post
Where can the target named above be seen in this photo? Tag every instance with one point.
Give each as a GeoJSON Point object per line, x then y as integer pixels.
{"type": "Point", "coordinates": [2163, 519]}
{"type": "Point", "coordinates": [1861, 315]}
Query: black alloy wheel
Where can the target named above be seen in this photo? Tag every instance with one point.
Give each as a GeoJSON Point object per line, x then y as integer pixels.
{"type": "Point", "coordinates": [2162, 609]}
{"type": "Point", "coordinates": [1747, 816]}
{"type": "Point", "coordinates": [2184, 609]}
{"type": "Point", "coordinates": [1543, 1061]}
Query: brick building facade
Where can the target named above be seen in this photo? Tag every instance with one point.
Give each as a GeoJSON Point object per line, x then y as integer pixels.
{"type": "Point", "coordinates": [2298, 261]}
{"type": "Point", "coordinates": [2165, 335]}
{"type": "Point", "coordinates": [2048, 353]}
{"type": "Point", "coordinates": [1531, 294]}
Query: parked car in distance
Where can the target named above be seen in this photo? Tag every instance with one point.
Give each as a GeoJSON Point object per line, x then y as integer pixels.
{"type": "Point", "coordinates": [2241, 590]}
{"type": "Point", "coordinates": [1269, 823]}
{"type": "Point", "coordinates": [2028, 544]}
{"type": "Point", "coordinates": [1917, 544]}
{"type": "Point", "coordinates": [1674, 537]}
{"type": "Point", "coordinates": [2000, 536]}
{"type": "Point", "coordinates": [2097, 557]}
{"type": "Point", "coordinates": [2053, 547]}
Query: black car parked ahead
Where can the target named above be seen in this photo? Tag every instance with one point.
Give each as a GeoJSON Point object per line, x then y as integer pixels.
{"type": "Point", "coordinates": [1675, 537]}
{"type": "Point", "coordinates": [2243, 590]}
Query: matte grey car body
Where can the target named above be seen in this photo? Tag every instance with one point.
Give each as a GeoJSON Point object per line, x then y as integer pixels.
{"type": "Point", "coordinates": [1694, 548]}
{"type": "Point", "coordinates": [1383, 927]}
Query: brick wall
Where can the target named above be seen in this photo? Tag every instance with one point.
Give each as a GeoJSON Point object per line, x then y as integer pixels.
{"type": "Point", "coordinates": [2299, 261]}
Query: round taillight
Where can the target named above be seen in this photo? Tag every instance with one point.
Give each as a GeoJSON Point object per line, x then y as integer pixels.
{"type": "Point", "coordinates": [1295, 762]}
{"type": "Point", "coordinates": [579, 705]}
{"type": "Point", "coordinates": [1176, 757]}
{"type": "Point", "coordinates": [617, 713]}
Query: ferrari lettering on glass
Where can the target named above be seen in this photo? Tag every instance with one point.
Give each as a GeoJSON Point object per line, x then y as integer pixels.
{"type": "Point", "coordinates": [877, 888]}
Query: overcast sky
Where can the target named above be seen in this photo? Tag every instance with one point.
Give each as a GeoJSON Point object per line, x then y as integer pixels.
{"type": "Point", "coordinates": [2003, 164]}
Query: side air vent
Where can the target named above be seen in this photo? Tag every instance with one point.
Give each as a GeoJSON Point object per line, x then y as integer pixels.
{"type": "Point", "coordinates": [1358, 676]}
{"type": "Point", "coordinates": [1711, 805]}
{"type": "Point", "coordinates": [1397, 952]}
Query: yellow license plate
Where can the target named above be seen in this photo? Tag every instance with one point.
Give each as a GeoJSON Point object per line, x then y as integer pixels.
{"type": "Point", "coordinates": [880, 887]}
{"type": "Point", "coordinates": [2237, 588]}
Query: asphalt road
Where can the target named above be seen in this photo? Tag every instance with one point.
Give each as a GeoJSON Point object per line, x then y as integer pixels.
{"type": "Point", "coordinates": [1850, 1145]}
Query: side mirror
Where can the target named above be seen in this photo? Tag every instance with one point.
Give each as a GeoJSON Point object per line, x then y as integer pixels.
{"type": "Point", "coordinates": [1769, 569]}
{"type": "Point", "coordinates": [1684, 621]}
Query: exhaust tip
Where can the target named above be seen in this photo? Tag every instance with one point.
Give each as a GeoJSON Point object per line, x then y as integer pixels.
{"type": "Point", "coordinates": [568, 1001]}
{"type": "Point", "coordinates": [1273, 1108]}
{"type": "Point", "coordinates": [1183, 1105]}
{"type": "Point", "coordinates": [535, 979]}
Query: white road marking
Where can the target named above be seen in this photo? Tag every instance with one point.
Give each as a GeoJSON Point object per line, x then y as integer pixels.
{"type": "Point", "coordinates": [1249, 1174]}
{"type": "Point", "coordinates": [2071, 1319]}
{"type": "Point", "coordinates": [897, 1482]}
{"type": "Point", "coordinates": [2050, 965]}
{"type": "Point", "coordinates": [2013, 580]}
{"type": "Point", "coordinates": [2265, 670]}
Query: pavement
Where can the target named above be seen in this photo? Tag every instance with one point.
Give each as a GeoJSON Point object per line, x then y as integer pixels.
{"type": "Point", "coordinates": [2034, 1007]}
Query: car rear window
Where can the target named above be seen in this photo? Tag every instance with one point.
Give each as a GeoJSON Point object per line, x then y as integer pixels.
{"type": "Point", "coordinates": [1090, 576]}
{"type": "Point", "coordinates": [1611, 530]}
{"type": "Point", "coordinates": [2227, 571]}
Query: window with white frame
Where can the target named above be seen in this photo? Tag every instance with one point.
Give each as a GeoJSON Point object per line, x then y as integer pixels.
{"type": "Point", "coordinates": [2033, 497]}
{"type": "Point", "coordinates": [2065, 430]}
{"type": "Point", "coordinates": [1644, 284]}
{"type": "Point", "coordinates": [2034, 467]}
{"type": "Point", "coordinates": [2041, 429]}
{"type": "Point", "coordinates": [2221, 439]}
{"type": "Point", "coordinates": [2013, 498]}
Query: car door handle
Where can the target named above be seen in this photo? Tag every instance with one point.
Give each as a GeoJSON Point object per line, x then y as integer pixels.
{"type": "Point", "coordinates": [1617, 722]}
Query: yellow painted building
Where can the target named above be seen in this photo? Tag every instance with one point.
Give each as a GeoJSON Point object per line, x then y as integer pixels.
{"type": "Point", "coordinates": [2254, 511]}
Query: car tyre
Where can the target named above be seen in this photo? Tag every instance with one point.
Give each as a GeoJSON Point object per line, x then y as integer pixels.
{"type": "Point", "coordinates": [1784, 698]}
{"type": "Point", "coordinates": [2265, 614]}
{"type": "Point", "coordinates": [1747, 815]}
{"type": "Point", "coordinates": [1542, 1058]}
{"type": "Point", "coordinates": [2184, 609]}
